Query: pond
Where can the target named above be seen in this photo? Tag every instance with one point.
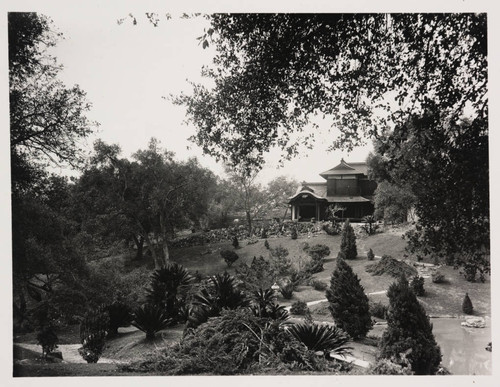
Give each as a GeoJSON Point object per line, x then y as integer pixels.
{"type": "Point", "coordinates": [463, 349]}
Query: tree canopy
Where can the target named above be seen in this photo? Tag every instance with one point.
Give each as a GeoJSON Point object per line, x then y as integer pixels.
{"type": "Point", "coordinates": [274, 72]}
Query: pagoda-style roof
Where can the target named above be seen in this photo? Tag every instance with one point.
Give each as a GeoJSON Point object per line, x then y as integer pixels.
{"type": "Point", "coordinates": [358, 168]}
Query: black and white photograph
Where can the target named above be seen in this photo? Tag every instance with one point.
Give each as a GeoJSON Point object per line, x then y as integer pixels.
{"type": "Point", "coordinates": [234, 191]}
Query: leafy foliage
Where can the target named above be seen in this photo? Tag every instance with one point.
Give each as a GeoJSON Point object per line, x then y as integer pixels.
{"type": "Point", "coordinates": [348, 241]}
{"type": "Point", "coordinates": [93, 331]}
{"type": "Point", "coordinates": [348, 301]}
{"type": "Point", "coordinates": [281, 265]}
{"type": "Point", "coordinates": [322, 338]}
{"type": "Point", "coordinates": [377, 309]}
{"type": "Point", "coordinates": [319, 285]}
{"type": "Point", "coordinates": [467, 307]}
{"type": "Point", "coordinates": [409, 330]}
{"type": "Point", "coordinates": [150, 319]}
{"type": "Point", "coordinates": [299, 308]}
{"type": "Point", "coordinates": [229, 257]}
{"type": "Point", "coordinates": [48, 339]}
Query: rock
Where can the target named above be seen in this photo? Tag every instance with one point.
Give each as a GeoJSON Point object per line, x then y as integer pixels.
{"type": "Point", "coordinates": [474, 322]}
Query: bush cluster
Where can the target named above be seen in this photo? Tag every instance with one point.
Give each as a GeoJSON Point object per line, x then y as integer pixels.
{"type": "Point", "coordinates": [229, 257]}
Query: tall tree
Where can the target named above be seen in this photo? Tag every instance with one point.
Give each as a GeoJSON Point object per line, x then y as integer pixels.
{"type": "Point", "coordinates": [273, 72]}
{"type": "Point", "coordinates": [409, 331]}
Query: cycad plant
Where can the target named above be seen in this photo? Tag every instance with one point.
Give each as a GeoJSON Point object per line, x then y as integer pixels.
{"type": "Point", "coordinates": [329, 339]}
{"type": "Point", "coordinates": [169, 287]}
{"type": "Point", "coordinates": [263, 305]}
{"type": "Point", "coordinates": [151, 319]}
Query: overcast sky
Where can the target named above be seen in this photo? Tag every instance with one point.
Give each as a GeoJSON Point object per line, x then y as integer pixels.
{"type": "Point", "coordinates": [126, 69]}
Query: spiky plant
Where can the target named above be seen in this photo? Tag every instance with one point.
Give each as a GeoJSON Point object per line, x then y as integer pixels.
{"type": "Point", "coordinates": [169, 286]}
{"type": "Point", "coordinates": [322, 338]}
{"type": "Point", "coordinates": [261, 299]}
{"type": "Point", "coordinates": [150, 319]}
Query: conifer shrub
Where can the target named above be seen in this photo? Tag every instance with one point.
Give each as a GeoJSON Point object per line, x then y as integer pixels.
{"type": "Point", "coordinates": [438, 278]}
{"type": "Point", "coordinates": [281, 265]}
{"type": "Point", "coordinates": [229, 257]}
{"type": "Point", "coordinates": [236, 243]}
{"type": "Point", "coordinates": [264, 233]}
{"type": "Point", "coordinates": [409, 331]}
{"type": "Point", "coordinates": [318, 251]}
{"type": "Point", "coordinates": [256, 275]}
{"type": "Point", "coordinates": [348, 241]}
{"type": "Point", "coordinates": [417, 285]}
{"type": "Point", "coordinates": [348, 302]}
{"type": "Point", "coordinates": [377, 309]}
{"type": "Point", "coordinates": [294, 233]}
{"type": "Point", "coordinates": [370, 255]}
{"type": "Point", "coordinates": [467, 307]}
{"type": "Point", "coordinates": [266, 244]}
{"type": "Point", "coordinates": [319, 285]}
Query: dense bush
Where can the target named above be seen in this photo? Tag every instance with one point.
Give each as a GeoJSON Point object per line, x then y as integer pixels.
{"type": "Point", "coordinates": [287, 290]}
{"type": "Point", "coordinates": [370, 256]}
{"type": "Point", "coordinates": [257, 275]}
{"type": "Point", "coordinates": [120, 315]}
{"type": "Point", "coordinates": [318, 251]}
{"type": "Point", "coordinates": [377, 309]}
{"type": "Point", "coordinates": [150, 319]}
{"type": "Point", "coordinates": [467, 307]}
{"type": "Point", "coordinates": [48, 339]}
{"type": "Point", "coordinates": [348, 241]}
{"type": "Point", "coordinates": [391, 366]}
{"type": "Point", "coordinates": [348, 301]}
{"type": "Point", "coordinates": [323, 338]}
{"type": "Point", "coordinates": [417, 285]}
{"type": "Point", "coordinates": [409, 329]}
{"type": "Point", "coordinates": [299, 308]}
{"type": "Point", "coordinates": [236, 342]}
{"type": "Point", "coordinates": [229, 257]}
{"type": "Point", "coordinates": [438, 278]}
{"type": "Point", "coordinates": [319, 285]}
{"type": "Point", "coordinates": [391, 266]}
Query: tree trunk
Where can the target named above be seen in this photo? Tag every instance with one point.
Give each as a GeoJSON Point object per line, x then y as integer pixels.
{"type": "Point", "coordinates": [166, 253]}
{"type": "Point", "coordinates": [249, 222]}
{"type": "Point", "coordinates": [139, 243]}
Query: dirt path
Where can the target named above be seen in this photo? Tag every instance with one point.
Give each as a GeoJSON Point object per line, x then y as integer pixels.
{"type": "Point", "coordinates": [69, 352]}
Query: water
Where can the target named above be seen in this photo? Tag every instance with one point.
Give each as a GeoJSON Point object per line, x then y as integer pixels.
{"type": "Point", "coordinates": [463, 349]}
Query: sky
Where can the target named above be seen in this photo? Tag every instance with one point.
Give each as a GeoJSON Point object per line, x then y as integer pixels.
{"type": "Point", "coordinates": [127, 71]}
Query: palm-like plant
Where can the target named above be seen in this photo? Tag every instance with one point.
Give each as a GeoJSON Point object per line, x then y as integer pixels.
{"type": "Point", "coordinates": [322, 338]}
{"type": "Point", "coordinates": [150, 319]}
{"type": "Point", "coordinates": [168, 287]}
{"type": "Point", "coordinates": [263, 305]}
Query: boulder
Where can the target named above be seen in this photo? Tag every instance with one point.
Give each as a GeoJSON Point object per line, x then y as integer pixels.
{"type": "Point", "coordinates": [474, 322]}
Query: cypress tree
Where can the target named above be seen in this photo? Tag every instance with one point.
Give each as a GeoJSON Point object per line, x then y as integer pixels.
{"type": "Point", "coordinates": [409, 331]}
{"type": "Point", "coordinates": [348, 301]}
{"type": "Point", "coordinates": [467, 304]}
{"type": "Point", "coordinates": [348, 241]}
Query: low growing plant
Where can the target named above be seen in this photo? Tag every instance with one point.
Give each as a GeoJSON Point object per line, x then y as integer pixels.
{"type": "Point", "coordinates": [299, 308]}
{"type": "Point", "coordinates": [229, 257]}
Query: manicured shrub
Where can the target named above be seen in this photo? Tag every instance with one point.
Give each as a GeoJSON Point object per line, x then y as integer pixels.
{"type": "Point", "coordinates": [409, 331]}
{"type": "Point", "coordinates": [323, 338]}
{"type": "Point", "coordinates": [348, 241]}
{"type": "Point", "coordinates": [120, 315]}
{"type": "Point", "coordinates": [299, 308]}
{"type": "Point", "coordinates": [294, 233]}
{"type": "Point", "coordinates": [236, 244]}
{"type": "Point", "coordinates": [319, 285]}
{"type": "Point", "coordinates": [287, 290]}
{"type": "Point", "coordinates": [438, 278]}
{"type": "Point", "coordinates": [348, 301]}
{"type": "Point", "coordinates": [377, 309]}
{"type": "Point", "coordinates": [417, 285]}
{"type": "Point", "coordinates": [150, 319]}
{"type": "Point", "coordinates": [370, 256]}
{"type": "Point", "coordinates": [467, 307]}
{"type": "Point", "coordinates": [229, 257]}
{"type": "Point", "coordinates": [266, 244]}
{"type": "Point", "coordinates": [318, 251]}
{"type": "Point", "coordinates": [48, 339]}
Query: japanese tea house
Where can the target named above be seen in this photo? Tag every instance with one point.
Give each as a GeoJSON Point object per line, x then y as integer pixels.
{"type": "Point", "coordinates": [347, 186]}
